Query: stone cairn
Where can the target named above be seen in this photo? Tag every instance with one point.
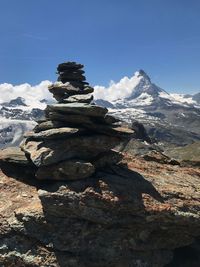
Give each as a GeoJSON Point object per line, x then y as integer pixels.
{"type": "Point", "coordinates": [77, 137]}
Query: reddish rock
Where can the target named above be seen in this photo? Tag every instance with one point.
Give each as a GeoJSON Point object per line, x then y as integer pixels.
{"type": "Point", "coordinates": [118, 217]}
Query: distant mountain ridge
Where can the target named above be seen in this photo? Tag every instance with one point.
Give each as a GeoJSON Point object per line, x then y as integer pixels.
{"type": "Point", "coordinates": [168, 118]}
{"type": "Point", "coordinates": [19, 101]}
{"type": "Point", "coordinates": [16, 117]}
{"type": "Point", "coordinates": [146, 93]}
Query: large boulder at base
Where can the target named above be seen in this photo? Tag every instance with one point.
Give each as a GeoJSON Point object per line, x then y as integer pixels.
{"type": "Point", "coordinates": [66, 170]}
{"type": "Point", "coordinates": [84, 147]}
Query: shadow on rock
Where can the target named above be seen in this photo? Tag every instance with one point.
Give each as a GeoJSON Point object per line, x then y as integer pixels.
{"type": "Point", "coordinates": [94, 218]}
{"type": "Point", "coordinates": [23, 173]}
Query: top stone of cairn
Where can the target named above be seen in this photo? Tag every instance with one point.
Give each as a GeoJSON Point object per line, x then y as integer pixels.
{"type": "Point", "coordinates": [71, 84]}
{"type": "Point", "coordinates": [70, 71]}
{"type": "Point", "coordinates": [69, 65]}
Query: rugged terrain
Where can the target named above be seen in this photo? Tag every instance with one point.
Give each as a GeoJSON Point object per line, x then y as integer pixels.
{"type": "Point", "coordinates": [146, 215]}
{"type": "Point", "coordinates": [170, 119]}
{"type": "Point", "coordinates": [70, 198]}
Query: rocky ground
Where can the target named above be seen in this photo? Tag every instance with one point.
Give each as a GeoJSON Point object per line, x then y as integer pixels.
{"type": "Point", "coordinates": [188, 155]}
{"type": "Point", "coordinates": [144, 215]}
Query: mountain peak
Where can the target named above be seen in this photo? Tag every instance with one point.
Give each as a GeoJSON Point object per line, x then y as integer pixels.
{"type": "Point", "coordinates": [19, 101]}
{"type": "Point", "coordinates": [143, 74]}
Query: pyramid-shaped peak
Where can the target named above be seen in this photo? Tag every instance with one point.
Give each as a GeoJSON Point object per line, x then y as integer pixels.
{"type": "Point", "coordinates": [143, 74]}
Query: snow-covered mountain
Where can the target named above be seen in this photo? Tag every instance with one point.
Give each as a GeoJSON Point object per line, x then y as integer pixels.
{"type": "Point", "coordinates": [139, 91]}
{"type": "Point", "coordinates": [16, 117]}
{"type": "Point", "coordinates": [169, 118]}
{"type": "Point", "coordinates": [20, 106]}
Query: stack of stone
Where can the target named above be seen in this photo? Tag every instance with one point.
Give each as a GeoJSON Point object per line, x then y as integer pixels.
{"type": "Point", "coordinates": [71, 74]}
{"type": "Point", "coordinates": [77, 137]}
{"type": "Point", "coordinates": [71, 71]}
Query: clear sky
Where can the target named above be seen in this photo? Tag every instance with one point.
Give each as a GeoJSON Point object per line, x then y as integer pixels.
{"type": "Point", "coordinates": [112, 38]}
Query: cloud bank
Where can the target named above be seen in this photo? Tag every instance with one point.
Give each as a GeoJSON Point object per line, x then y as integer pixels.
{"type": "Point", "coordinates": [32, 94]}
{"type": "Point", "coordinates": [119, 90]}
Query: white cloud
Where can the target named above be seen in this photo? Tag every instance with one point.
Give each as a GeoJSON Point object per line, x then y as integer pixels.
{"type": "Point", "coordinates": [31, 94]}
{"type": "Point", "coordinates": [119, 90]}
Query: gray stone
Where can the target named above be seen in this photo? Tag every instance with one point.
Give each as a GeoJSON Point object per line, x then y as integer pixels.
{"type": "Point", "coordinates": [60, 88]}
{"type": "Point", "coordinates": [88, 89]}
{"type": "Point", "coordinates": [66, 170]}
{"type": "Point", "coordinates": [47, 125]}
{"type": "Point", "coordinates": [69, 66]}
{"type": "Point", "coordinates": [110, 130]}
{"type": "Point", "coordinates": [72, 119]}
{"type": "Point", "coordinates": [84, 147]}
{"type": "Point", "coordinates": [108, 119]}
{"type": "Point", "coordinates": [13, 155]}
{"type": "Point", "coordinates": [78, 108]}
{"type": "Point", "coordinates": [71, 71]}
{"type": "Point", "coordinates": [69, 88]}
{"type": "Point", "coordinates": [59, 97]}
{"type": "Point", "coordinates": [79, 99]}
{"type": "Point", "coordinates": [71, 76]}
{"type": "Point", "coordinates": [107, 159]}
{"type": "Point", "coordinates": [91, 124]}
{"type": "Point", "coordinates": [56, 133]}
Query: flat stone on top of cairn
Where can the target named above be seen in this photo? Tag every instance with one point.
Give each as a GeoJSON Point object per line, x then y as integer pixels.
{"type": "Point", "coordinates": [71, 81]}
{"type": "Point", "coordinates": [77, 137]}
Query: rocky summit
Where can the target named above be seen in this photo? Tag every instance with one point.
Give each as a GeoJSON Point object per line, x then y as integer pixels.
{"type": "Point", "coordinates": [69, 198]}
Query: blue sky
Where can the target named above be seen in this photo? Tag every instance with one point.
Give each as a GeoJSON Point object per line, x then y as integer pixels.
{"type": "Point", "coordinates": [113, 38]}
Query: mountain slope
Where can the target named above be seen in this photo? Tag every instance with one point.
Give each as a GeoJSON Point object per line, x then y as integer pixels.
{"type": "Point", "coordinates": [168, 118]}
{"type": "Point", "coordinates": [17, 117]}
{"type": "Point", "coordinates": [20, 105]}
